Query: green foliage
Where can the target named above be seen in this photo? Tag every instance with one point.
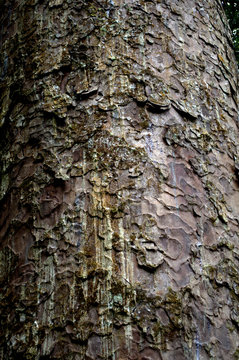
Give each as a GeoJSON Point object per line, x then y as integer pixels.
{"type": "Point", "coordinates": [231, 8]}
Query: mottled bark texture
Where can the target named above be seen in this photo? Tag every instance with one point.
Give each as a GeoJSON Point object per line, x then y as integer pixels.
{"type": "Point", "coordinates": [119, 185]}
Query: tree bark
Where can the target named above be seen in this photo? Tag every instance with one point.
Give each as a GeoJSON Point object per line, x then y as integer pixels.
{"type": "Point", "coordinates": [119, 181]}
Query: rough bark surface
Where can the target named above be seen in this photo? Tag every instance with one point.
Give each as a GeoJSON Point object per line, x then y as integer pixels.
{"type": "Point", "coordinates": [119, 181]}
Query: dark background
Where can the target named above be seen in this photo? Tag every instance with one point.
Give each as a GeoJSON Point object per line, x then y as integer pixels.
{"type": "Point", "coordinates": [232, 11]}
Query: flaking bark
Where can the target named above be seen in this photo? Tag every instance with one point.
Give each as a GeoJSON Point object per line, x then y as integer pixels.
{"type": "Point", "coordinates": [119, 181]}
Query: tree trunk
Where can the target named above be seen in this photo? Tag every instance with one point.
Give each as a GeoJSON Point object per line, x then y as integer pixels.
{"type": "Point", "coordinates": [119, 181]}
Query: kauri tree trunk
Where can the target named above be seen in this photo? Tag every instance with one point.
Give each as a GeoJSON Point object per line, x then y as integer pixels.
{"type": "Point", "coordinates": [119, 181]}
